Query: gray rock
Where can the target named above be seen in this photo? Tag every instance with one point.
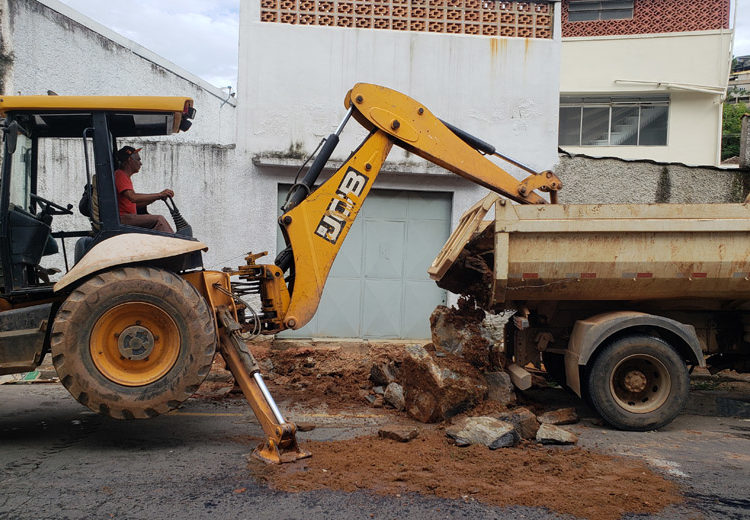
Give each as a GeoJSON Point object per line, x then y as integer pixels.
{"type": "Point", "coordinates": [383, 372]}
{"type": "Point", "coordinates": [492, 327]}
{"type": "Point", "coordinates": [500, 388]}
{"type": "Point", "coordinates": [394, 395]}
{"type": "Point", "coordinates": [458, 333]}
{"type": "Point", "coordinates": [398, 433]}
{"type": "Point", "coordinates": [378, 390]}
{"type": "Point", "coordinates": [551, 434]}
{"type": "Point", "coordinates": [438, 388]}
{"type": "Point", "coordinates": [524, 421]}
{"type": "Point", "coordinates": [558, 417]}
{"type": "Point", "coordinates": [488, 431]}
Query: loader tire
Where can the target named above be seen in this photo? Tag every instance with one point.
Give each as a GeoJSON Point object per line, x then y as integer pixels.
{"type": "Point", "coordinates": [638, 383]}
{"type": "Point", "coordinates": [133, 342]}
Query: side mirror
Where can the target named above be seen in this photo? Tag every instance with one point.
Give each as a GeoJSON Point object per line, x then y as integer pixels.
{"type": "Point", "coordinates": [11, 137]}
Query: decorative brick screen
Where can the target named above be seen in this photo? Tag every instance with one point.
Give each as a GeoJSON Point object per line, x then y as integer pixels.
{"type": "Point", "coordinates": [488, 18]}
{"type": "Point", "coordinates": [655, 16]}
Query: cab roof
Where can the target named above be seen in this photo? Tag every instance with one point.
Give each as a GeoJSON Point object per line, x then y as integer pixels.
{"type": "Point", "coordinates": [68, 116]}
{"type": "Point", "coordinates": [98, 103]}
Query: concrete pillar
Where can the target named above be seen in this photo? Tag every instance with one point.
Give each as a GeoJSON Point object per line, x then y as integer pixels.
{"type": "Point", "coordinates": [745, 142]}
{"type": "Point", "coordinates": [6, 50]}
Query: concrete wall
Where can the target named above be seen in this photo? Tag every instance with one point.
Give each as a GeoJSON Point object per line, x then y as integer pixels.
{"type": "Point", "coordinates": [666, 63]}
{"type": "Point", "coordinates": [590, 180]}
{"type": "Point", "coordinates": [54, 47]}
{"type": "Point", "coordinates": [293, 80]}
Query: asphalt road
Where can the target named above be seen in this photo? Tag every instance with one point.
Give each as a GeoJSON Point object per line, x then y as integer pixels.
{"type": "Point", "coordinates": [60, 461]}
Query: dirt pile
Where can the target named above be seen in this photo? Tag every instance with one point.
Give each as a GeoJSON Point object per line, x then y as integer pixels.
{"type": "Point", "coordinates": [472, 274]}
{"type": "Point", "coordinates": [566, 480]}
{"type": "Point", "coordinates": [457, 331]}
{"type": "Point", "coordinates": [328, 376]}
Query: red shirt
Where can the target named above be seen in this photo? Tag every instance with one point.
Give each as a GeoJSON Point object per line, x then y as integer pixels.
{"type": "Point", "coordinates": [123, 183]}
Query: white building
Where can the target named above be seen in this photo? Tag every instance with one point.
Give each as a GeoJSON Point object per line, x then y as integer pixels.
{"type": "Point", "coordinates": [298, 60]}
{"type": "Point", "coordinates": [643, 79]}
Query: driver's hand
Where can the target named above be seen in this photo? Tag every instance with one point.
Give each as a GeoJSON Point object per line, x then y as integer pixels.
{"type": "Point", "coordinates": [166, 194]}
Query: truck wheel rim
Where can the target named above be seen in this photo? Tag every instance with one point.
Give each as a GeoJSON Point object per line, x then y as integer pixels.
{"type": "Point", "coordinates": [134, 344]}
{"type": "Point", "coordinates": [640, 383]}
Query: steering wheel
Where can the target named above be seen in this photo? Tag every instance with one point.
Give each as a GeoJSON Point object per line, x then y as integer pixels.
{"type": "Point", "coordinates": [50, 208]}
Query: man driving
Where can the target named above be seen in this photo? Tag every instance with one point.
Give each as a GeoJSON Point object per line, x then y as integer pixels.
{"type": "Point", "coordinates": [128, 200]}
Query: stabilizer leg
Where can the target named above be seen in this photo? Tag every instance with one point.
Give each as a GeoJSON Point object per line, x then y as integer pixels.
{"type": "Point", "coordinates": [281, 441]}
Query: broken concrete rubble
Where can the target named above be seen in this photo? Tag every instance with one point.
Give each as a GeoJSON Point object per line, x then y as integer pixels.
{"type": "Point", "coordinates": [500, 388]}
{"type": "Point", "coordinates": [457, 331]}
{"type": "Point", "coordinates": [488, 431]}
{"type": "Point", "coordinates": [558, 417]}
{"type": "Point", "coordinates": [384, 372]}
{"type": "Point", "coordinates": [524, 421]}
{"type": "Point", "coordinates": [394, 395]}
{"type": "Point", "coordinates": [551, 434]}
{"type": "Point", "coordinates": [398, 433]}
{"type": "Point", "coordinates": [436, 388]}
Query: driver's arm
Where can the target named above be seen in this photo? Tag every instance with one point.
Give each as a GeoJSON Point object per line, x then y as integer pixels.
{"type": "Point", "coordinates": [144, 199]}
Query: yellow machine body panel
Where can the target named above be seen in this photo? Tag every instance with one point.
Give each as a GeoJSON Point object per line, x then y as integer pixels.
{"type": "Point", "coordinates": [319, 225]}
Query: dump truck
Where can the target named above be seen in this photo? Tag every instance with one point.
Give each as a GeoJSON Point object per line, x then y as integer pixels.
{"type": "Point", "coordinates": [618, 301]}
{"type": "Point", "coordinates": [134, 322]}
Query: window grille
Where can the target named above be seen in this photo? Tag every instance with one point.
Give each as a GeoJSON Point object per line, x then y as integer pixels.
{"type": "Point", "coordinates": [613, 121]}
{"type": "Point", "coordinates": [585, 11]}
{"type": "Point", "coordinates": [478, 17]}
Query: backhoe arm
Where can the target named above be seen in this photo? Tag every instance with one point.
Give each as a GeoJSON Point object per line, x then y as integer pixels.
{"type": "Point", "coordinates": [316, 220]}
{"type": "Point", "coordinates": [416, 129]}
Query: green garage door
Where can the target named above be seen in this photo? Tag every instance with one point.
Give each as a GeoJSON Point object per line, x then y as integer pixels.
{"type": "Point", "coordinates": [378, 286]}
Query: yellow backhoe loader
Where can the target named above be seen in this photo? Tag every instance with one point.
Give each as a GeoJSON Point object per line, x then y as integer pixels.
{"type": "Point", "coordinates": [133, 325]}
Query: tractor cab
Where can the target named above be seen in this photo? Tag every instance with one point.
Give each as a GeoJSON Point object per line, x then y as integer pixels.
{"type": "Point", "coordinates": [50, 143]}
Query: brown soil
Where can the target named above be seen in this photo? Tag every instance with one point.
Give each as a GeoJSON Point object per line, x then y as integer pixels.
{"type": "Point", "coordinates": [467, 317]}
{"type": "Point", "coordinates": [330, 376]}
{"type": "Point", "coordinates": [566, 480]}
{"type": "Point", "coordinates": [573, 481]}
{"type": "Point", "coordinates": [471, 274]}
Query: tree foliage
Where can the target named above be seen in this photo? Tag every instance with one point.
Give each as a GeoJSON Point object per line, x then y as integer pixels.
{"type": "Point", "coordinates": [731, 129]}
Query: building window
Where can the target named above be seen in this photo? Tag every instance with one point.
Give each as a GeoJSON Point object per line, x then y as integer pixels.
{"type": "Point", "coordinates": [613, 121]}
{"type": "Point", "coordinates": [586, 11]}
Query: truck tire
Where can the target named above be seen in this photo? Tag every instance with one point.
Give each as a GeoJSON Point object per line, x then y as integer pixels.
{"type": "Point", "coordinates": [638, 383]}
{"type": "Point", "coordinates": [133, 342]}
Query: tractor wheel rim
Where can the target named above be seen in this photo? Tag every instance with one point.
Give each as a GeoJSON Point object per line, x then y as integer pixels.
{"type": "Point", "coordinates": [640, 383]}
{"type": "Point", "coordinates": [134, 343]}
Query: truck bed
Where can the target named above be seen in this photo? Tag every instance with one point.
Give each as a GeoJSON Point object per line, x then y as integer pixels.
{"type": "Point", "coordinates": [597, 252]}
